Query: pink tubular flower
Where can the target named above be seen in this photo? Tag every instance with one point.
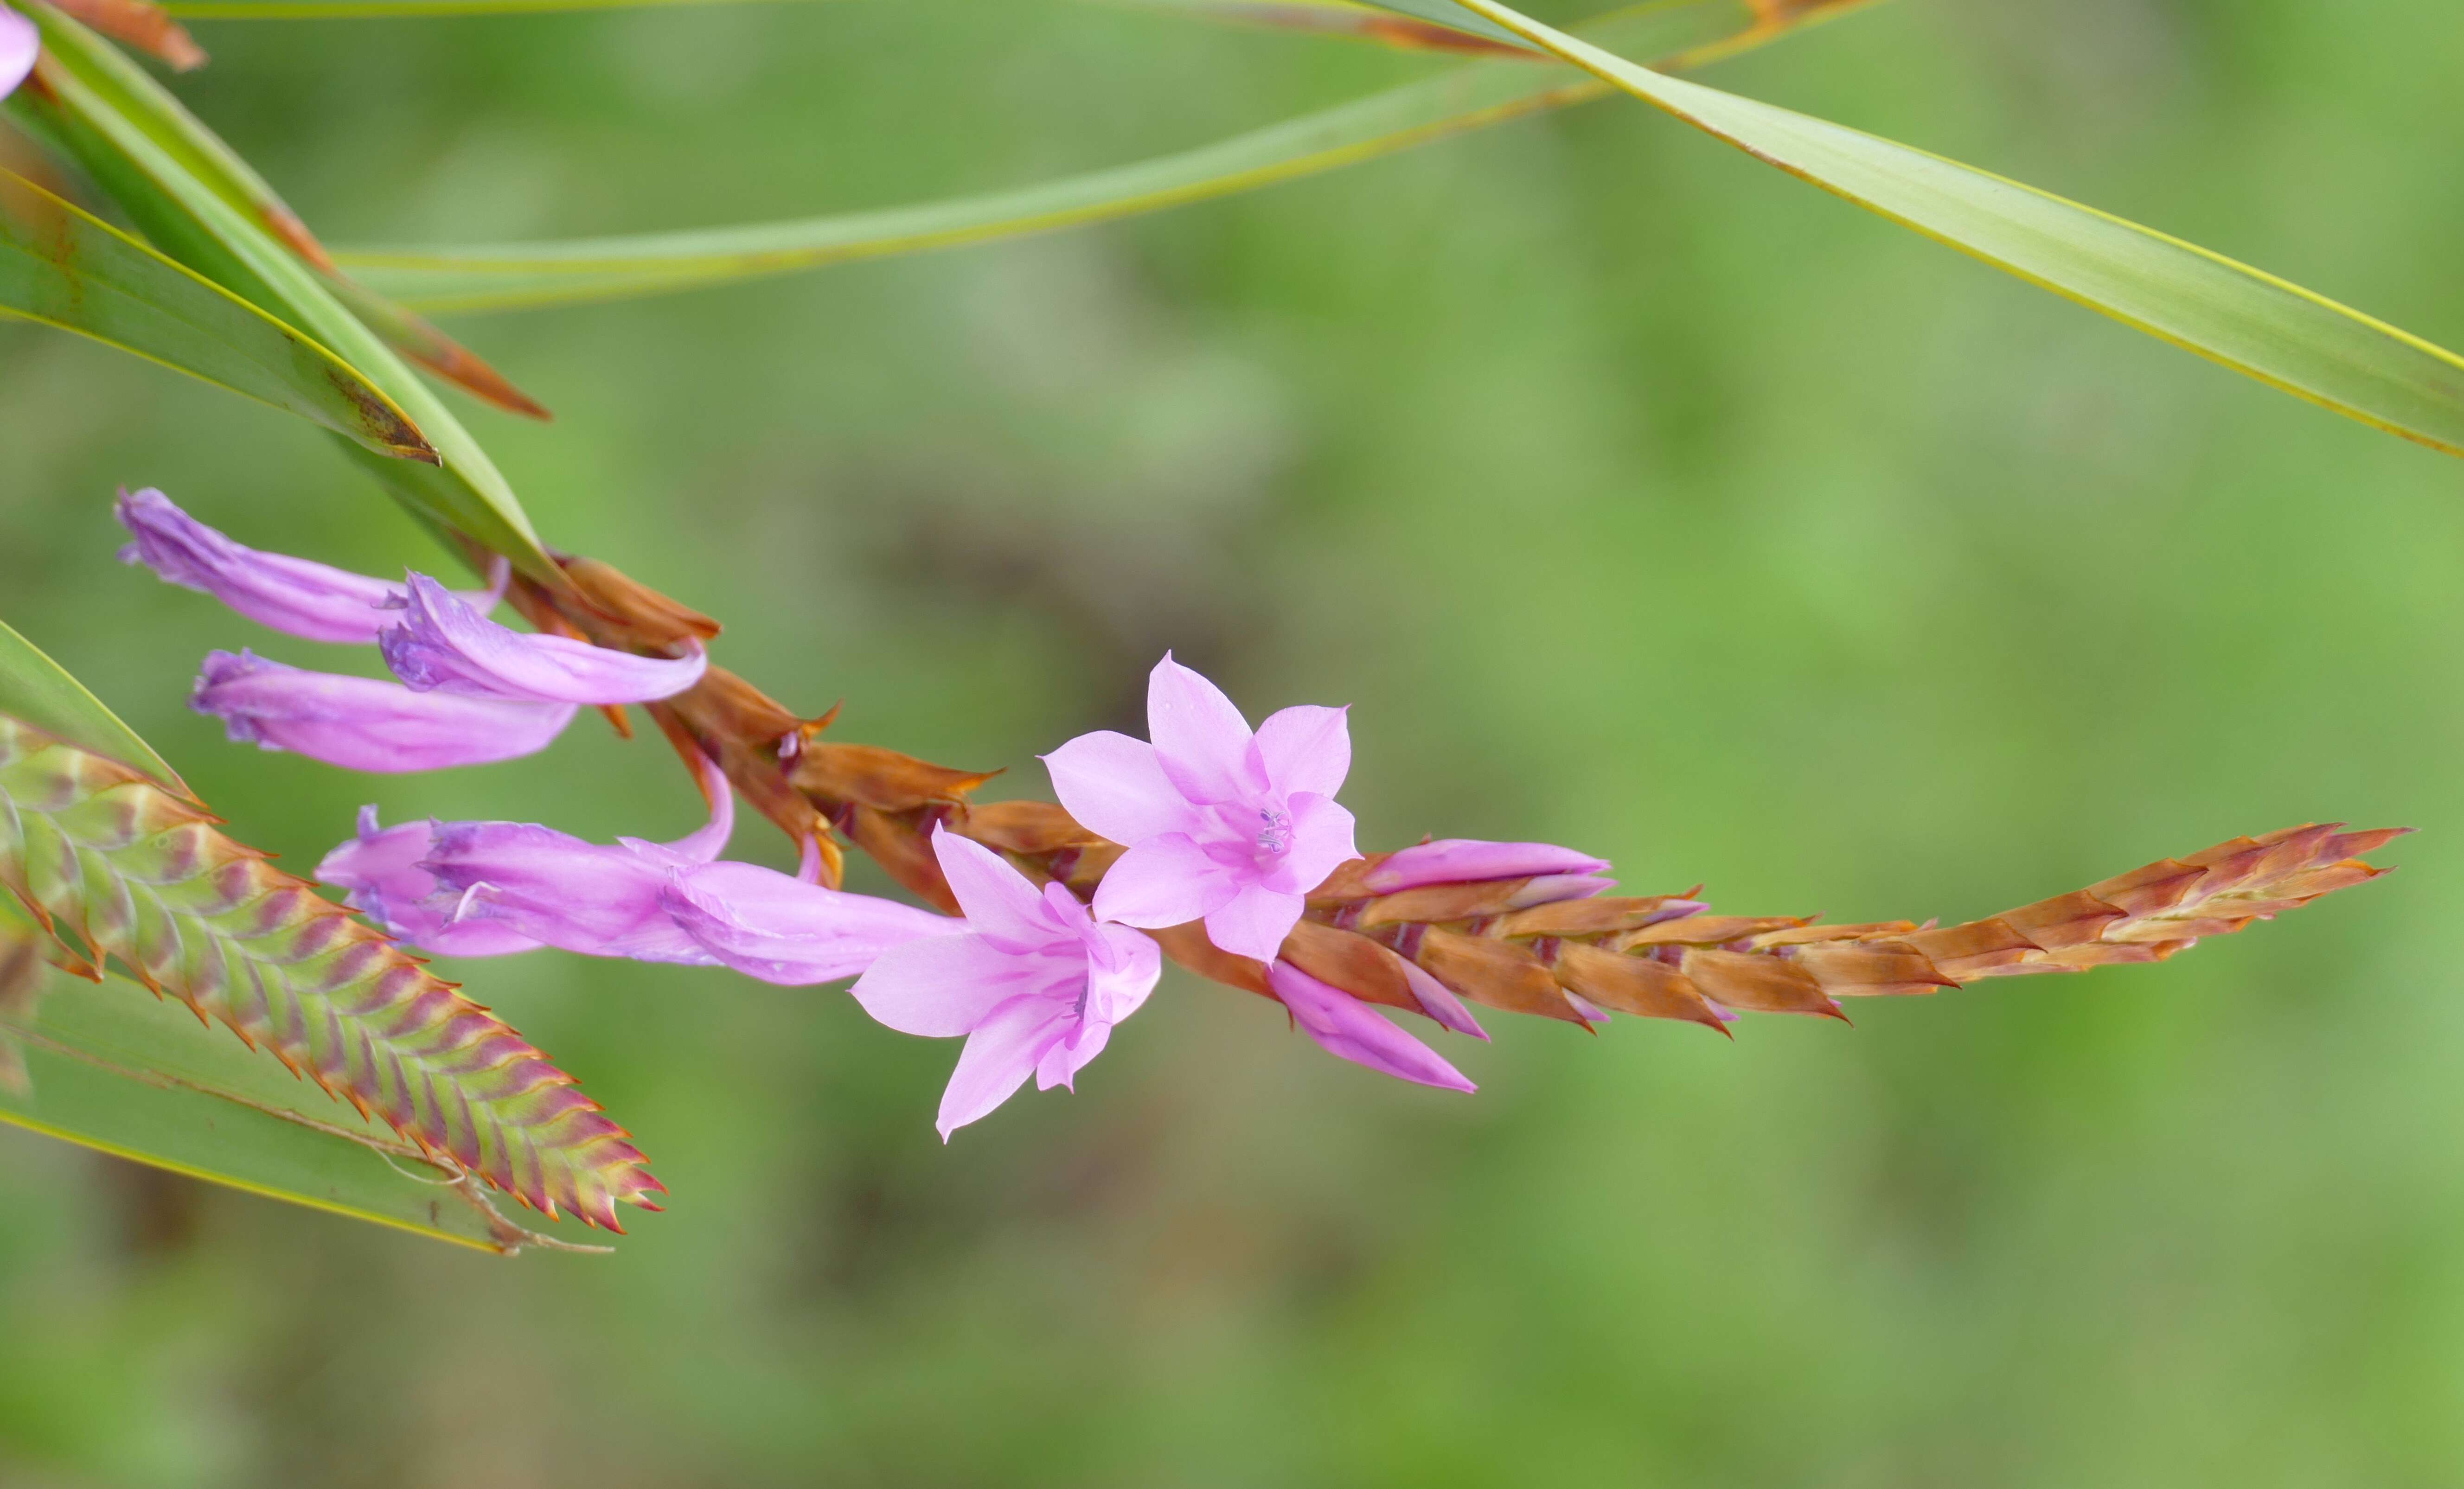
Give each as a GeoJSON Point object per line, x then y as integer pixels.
{"type": "Point", "coordinates": [1349, 1029]}
{"type": "Point", "coordinates": [1033, 981]}
{"type": "Point", "coordinates": [441, 645]}
{"type": "Point", "coordinates": [492, 889]}
{"type": "Point", "coordinates": [1468, 860]}
{"type": "Point", "coordinates": [784, 930]}
{"type": "Point", "coordinates": [296, 596]}
{"type": "Point", "coordinates": [1220, 823]}
{"type": "Point", "coordinates": [364, 723]}
{"type": "Point", "coordinates": [19, 42]}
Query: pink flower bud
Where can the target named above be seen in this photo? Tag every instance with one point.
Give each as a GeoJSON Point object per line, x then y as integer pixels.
{"type": "Point", "coordinates": [364, 723]}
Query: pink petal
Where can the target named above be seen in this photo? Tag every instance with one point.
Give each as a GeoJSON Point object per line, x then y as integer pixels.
{"type": "Point", "coordinates": [19, 41]}
{"type": "Point", "coordinates": [1321, 837]}
{"type": "Point", "coordinates": [1001, 905]}
{"type": "Point", "coordinates": [1255, 923]}
{"type": "Point", "coordinates": [1165, 881]}
{"type": "Point", "coordinates": [364, 723]}
{"type": "Point", "coordinates": [1468, 860]}
{"type": "Point", "coordinates": [1305, 749]}
{"type": "Point", "coordinates": [1201, 739]}
{"type": "Point", "coordinates": [941, 987]}
{"type": "Point", "coordinates": [1060, 1063]}
{"type": "Point", "coordinates": [441, 643]}
{"type": "Point", "coordinates": [1439, 1002]}
{"type": "Point", "coordinates": [1000, 1054]}
{"type": "Point", "coordinates": [1114, 786]}
{"type": "Point", "coordinates": [1348, 1029]}
{"type": "Point", "coordinates": [1122, 967]}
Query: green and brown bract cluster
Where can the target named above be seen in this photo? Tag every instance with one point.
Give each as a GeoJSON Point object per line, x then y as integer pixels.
{"type": "Point", "coordinates": [101, 853]}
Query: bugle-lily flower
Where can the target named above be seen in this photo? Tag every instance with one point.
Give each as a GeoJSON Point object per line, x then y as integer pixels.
{"type": "Point", "coordinates": [366, 723]}
{"type": "Point", "coordinates": [19, 44]}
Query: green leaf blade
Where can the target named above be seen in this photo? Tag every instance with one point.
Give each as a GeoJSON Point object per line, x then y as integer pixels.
{"type": "Point", "coordinates": [2258, 324]}
{"type": "Point", "coordinates": [1470, 97]}
{"type": "Point", "coordinates": [66, 269]}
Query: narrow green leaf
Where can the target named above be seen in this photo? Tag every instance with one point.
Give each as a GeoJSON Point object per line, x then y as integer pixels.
{"type": "Point", "coordinates": [66, 269]}
{"type": "Point", "coordinates": [112, 1068]}
{"type": "Point", "coordinates": [39, 691]}
{"type": "Point", "coordinates": [95, 850]}
{"type": "Point", "coordinates": [137, 142]}
{"type": "Point", "coordinates": [2278, 333]}
{"type": "Point", "coordinates": [1467, 98]}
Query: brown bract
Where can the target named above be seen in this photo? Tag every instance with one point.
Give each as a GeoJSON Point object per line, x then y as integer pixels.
{"type": "Point", "coordinates": [1653, 956]}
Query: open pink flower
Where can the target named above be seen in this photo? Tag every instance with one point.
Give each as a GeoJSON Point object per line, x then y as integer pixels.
{"type": "Point", "coordinates": [1222, 825]}
{"type": "Point", "coordinates": [297, 595]}
{"type": "Point", "coordinates": [19, 42]}
{"type": "Point", "coordinates": [1033, 981]}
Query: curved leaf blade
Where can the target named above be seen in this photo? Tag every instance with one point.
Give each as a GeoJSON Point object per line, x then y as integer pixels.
{"type": "Point", "coordinates": [66, 269]}
{"type": "Point", "coordinates": [1470, 97]}
{"type": "Point", "coordinates": [2259, 326]}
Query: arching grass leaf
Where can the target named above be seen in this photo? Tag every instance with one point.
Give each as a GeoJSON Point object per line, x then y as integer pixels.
{"type": "Point", "coordinates": [1364, 22]}
{"type": "Point", "coordinates": [517, 276]}
{"type": "Point", "coordinates": [115, 121]}
{"type": "Point", "coordinates": [2253, 322]}
{"type": "Point", "coordinates": [40, 691]}
{"type": "Point", "coordinates": [66, 269]}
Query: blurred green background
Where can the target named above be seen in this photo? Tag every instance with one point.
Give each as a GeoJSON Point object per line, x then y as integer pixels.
{"type": "Point", "coordinates": [1643, 500]}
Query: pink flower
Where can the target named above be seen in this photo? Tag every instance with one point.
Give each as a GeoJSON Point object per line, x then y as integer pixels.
{"type": "Point", "coordinates": [784, 928]}
{"type": "Point", "coordinates": [1349, 1029]}
{"type": "Point", "coordinates": [298, 596]}
{"type": "Point", "coordinates": [443, 645]}
{"type": "Point", "coordinates": [366, 723]}
{"type": "Point", "coordinates": [1220, 823]}
{"type": "Point", "coordinates": [492, 889]}
{"type": "Point", "coordinates": [19, 42]}
{"type": "Point", "coordinates": [1033, 981]}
